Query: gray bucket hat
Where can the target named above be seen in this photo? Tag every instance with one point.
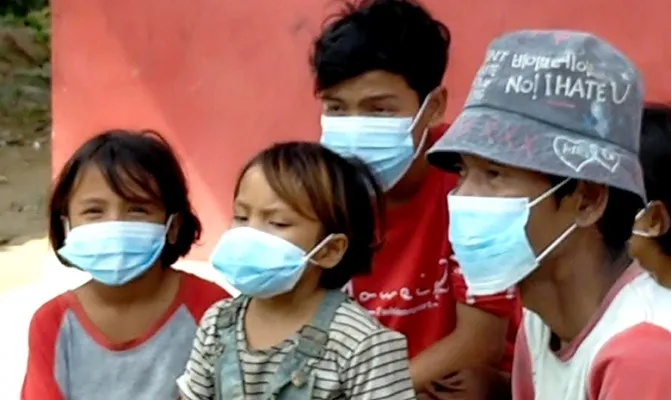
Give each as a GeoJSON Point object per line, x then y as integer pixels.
{"type": "Point", "coordinates": [558, 102]}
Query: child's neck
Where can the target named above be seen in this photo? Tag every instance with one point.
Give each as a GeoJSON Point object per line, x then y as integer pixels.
{"type": "Point", "coordinates": [268, 322]}
{"type": "Point", "coordinates": [288, 306]}
{"type": "Point", "coordinates": [143, 289]}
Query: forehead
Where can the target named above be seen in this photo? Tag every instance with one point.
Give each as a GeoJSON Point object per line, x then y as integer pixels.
{"type": "Point", "coordinates": [92, 183]}
{"type": "Point", "coordinates": [255, 192]}
{"type": "Point", "coordinates": [371, 85]}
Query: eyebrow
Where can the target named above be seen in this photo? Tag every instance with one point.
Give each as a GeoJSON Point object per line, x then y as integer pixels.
{"type": "Point", "coordinates": [380, 97]}
{"type": "Point", "coordinates": [374, 97]}
{"type": "Point", "coordinates": [92, 200]}
{"type": "Point", "coordinates": [99, 201]}
{"type": "Point", "coordinates": [266, 210]}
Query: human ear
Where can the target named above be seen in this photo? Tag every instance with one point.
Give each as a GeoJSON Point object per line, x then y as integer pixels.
{"type": "Point", "coordinates": [592, 199]}
{"type": "Point", "coordinates": [332, 252]}
{"type": "Point", "coordinates": [436, 107]}
{"type": "Point", "coordinates": [173, 229]}
{"type": "Point", "coordinates": [653, 221]}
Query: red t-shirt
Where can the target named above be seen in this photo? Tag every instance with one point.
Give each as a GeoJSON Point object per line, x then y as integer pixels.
{"type": "Point", "coordinates": [415, 282]}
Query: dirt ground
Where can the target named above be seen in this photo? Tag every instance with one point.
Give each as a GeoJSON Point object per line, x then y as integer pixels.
{"type": "Point", "coordinates": [24, 180]}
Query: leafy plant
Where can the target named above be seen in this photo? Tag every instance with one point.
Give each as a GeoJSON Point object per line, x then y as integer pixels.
{"type": "Point", "coordinates": [21, 8]}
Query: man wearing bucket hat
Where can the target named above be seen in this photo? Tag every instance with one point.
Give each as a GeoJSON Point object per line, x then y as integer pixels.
{"type": "Point", "coordinates": [550, 183]}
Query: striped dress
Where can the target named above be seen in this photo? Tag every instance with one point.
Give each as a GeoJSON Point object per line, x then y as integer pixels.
{"type": "Point", "coordinates": [363, 360]}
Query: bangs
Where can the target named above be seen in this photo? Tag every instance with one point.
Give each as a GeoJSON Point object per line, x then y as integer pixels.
{"type": "Point", "coordinates": [288, 186]}
{"type": "Point", "coordinates": [298, 176]}
{"type": "Point", "coordinates": [128, 179]}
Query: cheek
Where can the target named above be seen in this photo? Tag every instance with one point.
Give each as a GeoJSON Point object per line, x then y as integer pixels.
{"type": "Point", "coordinates": [643, 251]}
{"type": "Point", "coordinates": [304, 237]}
{"type": "Point", "coordinates": [544, 227]}
{"type": "Point", "coordinates": [634, 247]}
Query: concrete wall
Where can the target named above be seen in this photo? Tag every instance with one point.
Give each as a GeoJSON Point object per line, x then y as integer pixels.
{"type": "Point", "coordinates": [222, 79]}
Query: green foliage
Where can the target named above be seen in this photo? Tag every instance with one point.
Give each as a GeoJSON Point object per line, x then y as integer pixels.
{"type": "Point", "coordinates": [21, 8]}
{"type": "Point", "coordinates": [38, 20]}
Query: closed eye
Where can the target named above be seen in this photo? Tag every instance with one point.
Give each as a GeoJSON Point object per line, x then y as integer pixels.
{"type": "Point", "coordinates": [239, 218]}
{"type": "Point", "coordinates": [139, 210]}
{"type": "Point", "coordinates": [92, 211]}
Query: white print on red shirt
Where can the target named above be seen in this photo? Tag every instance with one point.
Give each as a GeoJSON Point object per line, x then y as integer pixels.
{"type": "Point", "coordinates": [431, 294]}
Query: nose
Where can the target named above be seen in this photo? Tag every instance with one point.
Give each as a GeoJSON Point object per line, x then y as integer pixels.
{"type": "Point", "coordinates": [256, 222]}
{"type": "Point", "coordinates": [469, 186]}
{"type": "Point", "coordinates": [114, 214]}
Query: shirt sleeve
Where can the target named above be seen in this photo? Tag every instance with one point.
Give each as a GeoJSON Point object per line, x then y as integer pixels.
{"type": "Point", "coordinates": [636, 364]}
{"type": "Point", "coordinates": [40, 380]}
{"type": "Point", "coordinates": [200, 294]}
{"type": "Point", "coordinates": [379, 368]}
{"type": "Point", "coordinates": [197, 382]}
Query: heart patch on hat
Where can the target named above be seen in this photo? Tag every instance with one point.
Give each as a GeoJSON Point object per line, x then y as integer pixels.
{"type": "Point", "coordinates": [577, 154]}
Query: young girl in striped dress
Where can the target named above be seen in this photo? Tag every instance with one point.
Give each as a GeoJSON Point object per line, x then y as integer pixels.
{"type": "Point", "coordinates": [305, 222]}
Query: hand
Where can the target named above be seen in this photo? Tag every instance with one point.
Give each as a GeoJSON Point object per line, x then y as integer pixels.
{"type": "Point", "coordinates": [472, 384]}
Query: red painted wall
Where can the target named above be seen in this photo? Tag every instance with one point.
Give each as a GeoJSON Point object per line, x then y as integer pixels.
{"type": "Point", "coordinates": [222, 79]}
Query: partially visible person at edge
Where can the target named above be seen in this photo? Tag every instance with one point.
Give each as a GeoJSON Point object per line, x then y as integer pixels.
{"type": "Point", "coordinates": [550, 181]}
{"type": "Point", "coordinates": [304, 223]}
{"type": "Point", "coordinates": [650, 243]}
{"type": "Point", "coordinates": [378, 69]}
{"type": "Point", "coordinates": [120, 211]}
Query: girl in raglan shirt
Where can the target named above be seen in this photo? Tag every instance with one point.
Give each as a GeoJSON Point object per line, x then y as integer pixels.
{"type": "Point", "coordinates": [120, 211]}
{"type": "Point", "coordinates": [304, 225]}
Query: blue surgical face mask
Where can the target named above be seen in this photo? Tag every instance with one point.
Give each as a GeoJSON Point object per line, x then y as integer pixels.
{"type": "Point", "coordinates": [489, 239]}
{"type": "Point", "coordinates": [115, 252]}
{"type": "Point", "coordinates": [259, 264]}
{"type": "Point", "coordinates": [384, 143]}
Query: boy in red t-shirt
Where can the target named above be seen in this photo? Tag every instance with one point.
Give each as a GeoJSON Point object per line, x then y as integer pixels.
{"type": "Point", "coordinates": [378, 71]}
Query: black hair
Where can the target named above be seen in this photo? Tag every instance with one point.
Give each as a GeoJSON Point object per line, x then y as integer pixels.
{"type": "Point", "coordinates": [617, 219]}
{"type": "Point", "coordinates": [655, 157]}
{"type": "Point", "coordinates": [130, 160]}
{"type": "Point", "coordinates": [341, 193]}
{"type": "Point", "coordinates": [396, 36]}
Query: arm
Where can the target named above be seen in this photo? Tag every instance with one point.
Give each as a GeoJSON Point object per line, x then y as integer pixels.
{"type": "Point", "coordinates": [636, 364]}
{"type": "Point", "coordinates": [479, 338]}
{"type": "Point", "coordinates": [378, 368]}
{"type": "Point", "coordinates": [522, 377]}
{"type": "Point", "coordinates": [40, 381]}
{"type": "Point", "coordinates": [197, 382]}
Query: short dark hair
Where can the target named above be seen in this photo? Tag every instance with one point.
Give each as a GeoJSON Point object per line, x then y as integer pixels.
{"type": "Point", "coordinates": [342, 193]}
{"type": "Point", "coordinates": [655, 157]}
{"type": "Point", "coordinates": [617, 219]}
{"type": "Point", "coordinates": [129, 160]}
{"type": "Point", "coordinates": [396, 36]}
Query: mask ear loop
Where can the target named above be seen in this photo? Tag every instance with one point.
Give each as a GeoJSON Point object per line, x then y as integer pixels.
{"type": "Point", "coordinates": [319, 246]}
{"type": "Point", "coordinates": [548, 193]}
{"type": "Point", "coordinates": [425, 134]}
{"type": "Point", "coordinates": [566, 233]}
{"type": "Point", "coordinates": [66, 224]}
{"type": "Point", "coordinates": [168, 223]}
{"type": "Point", "coordinates": [556, 242]}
